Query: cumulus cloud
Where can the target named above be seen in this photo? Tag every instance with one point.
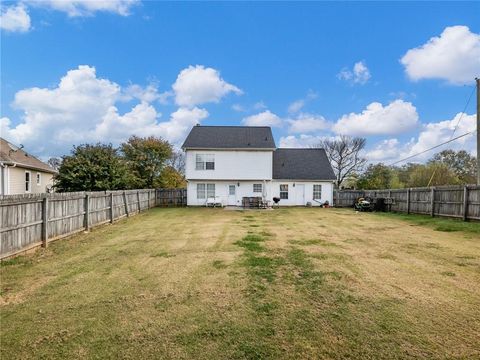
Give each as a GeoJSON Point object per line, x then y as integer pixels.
{"type": "Point", "coordinates": [397, 117]}
{"type": "Point", "coordinates": [76, 8]}
{"type": "Point", "coordinates": [305, 123]}
{"type": "Point", "coordinates": [14, 18]}
{"type": "Point", "coordinates": [453, 56]}
{"type": "Point", "coordinates": [83, 108]}
{"type": "Point", "coordinates": [265, 118]}
{"type": "Point", "coordinates": [197, 85]}
{"type": "Point", "coordinates": [359, 74]}
{"type": "Point", "coordinates": [300, 141]}
{"type": "Point", "coordinates": [298, 105]}
{"type": "Point", "coordinates": [431, 134]}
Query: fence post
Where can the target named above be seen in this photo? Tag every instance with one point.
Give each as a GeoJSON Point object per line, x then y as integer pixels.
{"type": "Point", "coordinates": [465, 203]}
{"type": "Point", "coordinates": [126, 203]}
{"type": "Point", "coordinates": [432, 202]}
{"type": "Point", "coordinates": [44, 222]}
{"type": "Point", "coordinates": [87, 213]}
{"type": "Point", "coordinates": [138, 200]}
{"type": "Point", "coordinates": [111, 208]}
{"type": "Point", "coordinates": [408, 201]}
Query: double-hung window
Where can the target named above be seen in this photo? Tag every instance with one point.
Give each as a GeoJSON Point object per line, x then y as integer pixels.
{"type": "Point", "coordinates": [201, 191]}
{"type": "Point", "coordinates": [210, 190]}
{"type": "Point", "coordinates": [257, 188]}
{"type": "Point", "coordinates": [205, 162]}
{"type": "Point", "coordinates": [205, 191]}
{"type": "Point", "coordinates": [284, 191]}
{"type": "Point", "coordinates": [317, 192]}
{"type": "Point", "coordinates": [28, 181]}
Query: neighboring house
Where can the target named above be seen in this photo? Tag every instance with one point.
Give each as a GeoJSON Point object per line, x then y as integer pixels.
{"type": "Point", "coordinates": [22, 173]}
{"type": "Point", "coordinates": [232, 162]}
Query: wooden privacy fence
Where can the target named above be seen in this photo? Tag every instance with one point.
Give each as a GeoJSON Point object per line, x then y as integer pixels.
{"type": "Point", "coordinates": [32, 220]}
{"type": "Point", "coordinates": [172, 197]}
{"type": "Point", "coordinates": [450, 201]}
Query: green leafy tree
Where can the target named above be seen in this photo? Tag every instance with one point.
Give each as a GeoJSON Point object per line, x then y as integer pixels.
{"type": "Point", "coordinates": [170, 178]}
{"type": "Point", "coordinates": [92, 168]}
{"type": "Point", "coordinates": [146, 158]}
{"type": "Point", "coordinates": [432, 174]}
{"type": "Point", "coordinates": [460, 162]}
{"type": "Point", "coordinates": [376, 176]}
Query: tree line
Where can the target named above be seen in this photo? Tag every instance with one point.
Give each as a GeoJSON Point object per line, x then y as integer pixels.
{"type": "Point", "coordinates": [352, 170]}
{"type": "Point", "coordinates": [138, 163]}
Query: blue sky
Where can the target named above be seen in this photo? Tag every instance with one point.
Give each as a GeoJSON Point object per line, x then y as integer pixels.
{"type": "Point", "coordinates": [310, 70]}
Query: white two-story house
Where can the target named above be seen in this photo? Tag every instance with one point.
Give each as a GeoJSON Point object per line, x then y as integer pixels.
{"type": "Point", "coordinates": [232, 162]}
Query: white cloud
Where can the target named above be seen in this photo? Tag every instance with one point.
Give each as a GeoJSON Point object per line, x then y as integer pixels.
{"type": "Point", "coordinates": [83, 108]}
{"type": "Point", "coordinates": [259, 105]}
{"type": "Point", "coordinates": [360, 74]}
{"type": "Point", "coordinates": [453, 56]}
{"type": "Point", "coordinates": [238, 108]}
{"type": "Point", "coordinates": [296, 106]}
{"type": "Point", "coordinates": [14, 18]}
{"type": "Point", "coordinates": [197, 85]}
{"type": "Point", "coordinates": [75, 8]}
{"type": "Point", "coordinates": [265, 118]}
{"type": "Point", "coordinates": [397, 117]}
{"type": "Point", "coordinates": [301, 141]}
{"type": "Point", "coordinates": [305, 123]}
{"type": "Point", "coordinates": [431, 135]}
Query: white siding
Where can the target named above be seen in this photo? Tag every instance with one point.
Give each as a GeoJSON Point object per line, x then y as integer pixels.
{"type": "Point", "coordinates": [16, 181]}
{"type": "Point", "coordinates": [294, 197]}
{"type": "Point", "coordinates": [232, 165]}
{"type": "Point", "coordinates": [221, 191]}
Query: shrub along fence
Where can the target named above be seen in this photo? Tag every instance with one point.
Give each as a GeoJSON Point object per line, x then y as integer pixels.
{"type": "Point", "coordinates": [449, 201]}
{"type": "Point", "coordinates": [32, 220]}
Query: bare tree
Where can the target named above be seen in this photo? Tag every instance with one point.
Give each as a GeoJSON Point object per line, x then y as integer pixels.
{"type": "Point", "coordinates": [177, 161]}
{"type": "Point", "coordinates": [54, 162]}
{"type": "Point", "coordinates": [344, 155]}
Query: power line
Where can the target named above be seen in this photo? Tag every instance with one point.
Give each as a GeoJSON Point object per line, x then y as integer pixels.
{"type": "Point", "coordinates": [434, 147]}
{"type": "Point", "coordinates": [463, 112]}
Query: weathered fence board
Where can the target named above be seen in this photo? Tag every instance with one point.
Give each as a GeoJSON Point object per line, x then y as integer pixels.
{"type": "Point", "coordinates": [449, 201]}
{"type": "Point", "coordinates": [30, 220]}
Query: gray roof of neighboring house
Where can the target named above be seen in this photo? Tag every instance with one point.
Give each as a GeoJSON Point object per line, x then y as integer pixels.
{"type": "Point", "coordinates": [230, 137]}
{"type": "Point", "coordinates": [302, 164]}
{"type": "Point", "coordinates": [11, 154]}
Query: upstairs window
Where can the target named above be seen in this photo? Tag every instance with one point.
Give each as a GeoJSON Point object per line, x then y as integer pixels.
{"type": "Point", "coordinates": [205, 162]}
{"type": "Point", "coordinates": [284, 191]}
{"type": "Point", "coordinates": [317, 192]}
{"type": "Point", "coordinates": [257, 188]}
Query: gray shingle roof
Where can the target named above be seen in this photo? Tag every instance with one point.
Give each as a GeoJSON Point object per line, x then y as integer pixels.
{"type": "Point", "coordinates": [230, 137]}
{"type": "Point", "coordinates": [302, 164]}
{"type": "Point", "coordinates": [12, 154]}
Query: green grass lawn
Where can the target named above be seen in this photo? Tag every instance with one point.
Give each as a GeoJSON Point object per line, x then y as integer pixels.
{"type": "Point", "coordinates": [297, 283]}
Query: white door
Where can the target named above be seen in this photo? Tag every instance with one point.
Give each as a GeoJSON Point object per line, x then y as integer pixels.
{"type": "Point", "coordinates": [232, 196]}
{"type": "Point", "coordinates": [300, 194]}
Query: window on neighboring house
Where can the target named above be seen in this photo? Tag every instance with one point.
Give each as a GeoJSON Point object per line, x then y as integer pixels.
{"type": "Point", "coordinates": [210, 190]}
{"type": "Point", "coordinates": [257, 188]}
{"type": "Point", "coordinates": [205, 162]}
{"type": "Point", "coordinates": [284, 191]}
{"type": "Point", "coordinates": [317, 192]}
{"type": "Point", "coordinates": [39, 179]}
{"type": "Point", "coordinates": [28, 181]}
{"type": "Point", "coordinates": [200, 191]}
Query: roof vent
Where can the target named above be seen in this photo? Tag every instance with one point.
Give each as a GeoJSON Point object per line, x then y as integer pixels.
{"type": "Point", "coordinates": [248, 144]}
{"type": "Point", "coordinates": [266, 138]}
{"type": "Point", "coordinates": [198, 124]}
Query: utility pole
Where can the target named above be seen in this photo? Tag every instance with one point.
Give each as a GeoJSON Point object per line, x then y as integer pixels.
{"type": "Point", "coordinates": [478, 130]}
